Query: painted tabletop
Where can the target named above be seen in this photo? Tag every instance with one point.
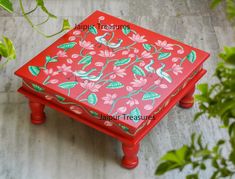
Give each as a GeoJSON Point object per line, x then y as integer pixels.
{"type": "Point", "coordinates": [114, 67]}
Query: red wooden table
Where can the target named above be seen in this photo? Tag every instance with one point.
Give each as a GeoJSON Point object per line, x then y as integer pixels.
{"type": "Point", "coordinates": [114, 76]}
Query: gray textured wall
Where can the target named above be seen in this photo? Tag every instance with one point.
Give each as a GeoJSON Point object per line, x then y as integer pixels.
{"type": "Point", "coordinates": [64, 149]}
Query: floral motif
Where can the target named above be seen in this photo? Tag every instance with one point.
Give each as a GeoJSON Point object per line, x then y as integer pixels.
{"type": "Point", "coordinates": [108, 123]}
{"type": "Point", "coordinates": [90, 86]}
{"type": "Point", "coordinates": [137, 38]}
{"type": "Point", "coordinates": [106, 53]}
{"type": "Point", "coordinates": [146, 54]}
{"type": "Point", "coordinates": [129, 88]}
{"type": "Point", "coordinates": [64, 69]}
{"type": "Point", "coordinates": [132, 102]}
{"type": "Point", "coordinates": [148, 107]}
{"type": "Point", "coordinates": [51, 72]}
{"type": "Point", "coordinates": [177, 69]}
{"type": "Point", "coordinates": [53, 81]}
{"type": "Point", "coordinates": [99, 64]}
{"type": "Point", "coordinates": [122, 109]}
{"type": "Point", "coordinates": [109, 98]}
{"type": "Point", "coordinates": [77, 32]}
{"type": "Point", "coordinates": [119, 72]}
{"type": "Point", "coordinates": [86, 45]}
{"type": "Point", "coordinates": [139, 82]}
{"type": "Point", "coordinates": [61, 54]}
{"type": "Point", "coordinates": [76, 109]}
{"type": "Point", "coordinates": [72, 38]}
{"type": "Point", "coordinates": [48, 97]}
{"type": "Point", "coordinates": [164, 45]}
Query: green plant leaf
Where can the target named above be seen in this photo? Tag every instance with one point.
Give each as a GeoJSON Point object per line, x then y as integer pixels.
{"type": "Point", "coordinates": [49, 59]}
{"type": "Point", "coordinates": [68, 85]}
{"type": "Point", "coordinates": [215, 3]}
{"type": "Point", "coordinates": [150, 96]}
{"type": "Point", "coordinates": [165, 166]}
{"type": "Point", "coordinates": [85, 60]}
{"type": "Point", "coordinates": [138, 71]}
{"type": "Point", "coordinates": [7, 49]}
{"type": "Point", "coordinates": [228, 55]}
{"type": "Point", "coordinates": [34, 70]}
{"type": "Point", "coordinates": [178, 156]}
{"type": "Point", "coordinates": [40, 3]}
{"type": "Point", "coordinates": [37, 88]}
{"type": "Point", "coordinates": [230, 9]}
{"type": "Point", "coordinates": [66, 46]}
{"type": "Point", "coordinates": [66, 25]}
{"type": "Point", "coordinates": [126, 30]}
{"type": "Point", "coordinates": [6, 5]}
{"type": "Point", "coordinates": [135, 114]}
{"type": "Point", "coordinates": [93, 30]}
{"type": "Point", "coordinates": [192, 176]}
{"type": "Point", "coordinates": [122, 61]}
{"type": "Point", "coordinates": [92, 99]}
{"type": "Point", "coordinates": [115, 85]}
{"type": "Point", "coordinates": [192, 56]}
{"type": "Point", "coordinates": [164, 55]}
{"type": "Point", "coordinates": [147, 47]}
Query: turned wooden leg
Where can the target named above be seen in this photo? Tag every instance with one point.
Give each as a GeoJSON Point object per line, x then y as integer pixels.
{"type": "Point", "coordinates": [37, 112]}
{"type": "Point", "coordinates": [187, 101]}
{"type": "Point", "coordinates": [130, 158]}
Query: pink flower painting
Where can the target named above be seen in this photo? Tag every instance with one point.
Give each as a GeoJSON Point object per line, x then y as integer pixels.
{"type": "Point", "coordinates": [164, 45]}
{"type": "Point", "coordinates": [109, 98]}
{"type": "Point", "coordinates": [90, 86]}
{"type": "Point", "coordinates": [137, 38]}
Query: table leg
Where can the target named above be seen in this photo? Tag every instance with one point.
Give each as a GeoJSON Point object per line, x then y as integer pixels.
{"type": "Point", "coordinates": [130, 158]}
{"type": "Point", "coordinates": [188, 100]}
{"type": "Point", "coordinates": [37, 112]}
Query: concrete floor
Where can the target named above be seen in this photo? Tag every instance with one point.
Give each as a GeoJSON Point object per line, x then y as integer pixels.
{"type": "Point", "coordinates": [65, 149]}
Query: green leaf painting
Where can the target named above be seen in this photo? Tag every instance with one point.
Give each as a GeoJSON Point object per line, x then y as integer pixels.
{"type": "Point", "coordinates": [49, 59]}
{"type": "Point", "coordinates": [135, 114]}
{"type": "Point", "coordinates": [150, 96]}
{"type": "Point", "coordinates": [93, 113]}
{"type": "Point", "coordinates": [37, 88]}
{"type": "Point", "coordinates": [115, 85]}
{"type": "Point", "coordinates": [93, 30]}
{"type": "Point", "coordinates": [122, 61]}
{"type": "Point", "coordinates": [34, 70]}
{"type": "Point", "coordinates": [147, 47]}
{"type": "Point", "coordinates": [124, 127]}
{"type": "Point", "coordinates": [68, 85]}
{"type": "Point", "coordinates": [92, 99]}
{"type": "Point", "coordinates": [67, 46]}
{"type": "Point", "coordinates": [138, 71]}
{"type": "Point", "coordinates": [126, 30]}
{"type": "Point", "coordinates": [85, 60]}
{"type": "Point", "coordinates": [60, 98]}
{"type": "Point", "coordinates": [164, 55]}
{"type": "Point", "coordinates": [192, 56]}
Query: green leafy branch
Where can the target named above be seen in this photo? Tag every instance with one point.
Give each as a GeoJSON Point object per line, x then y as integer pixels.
{"type": "Point", "coordinates": [7, 49]}
{"type": "Point", "coordinates": [40, 4]}
{"type": "Point", "coordinates": [229, 7]}
{"type": "Point", "coordinates": [215, 101]}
